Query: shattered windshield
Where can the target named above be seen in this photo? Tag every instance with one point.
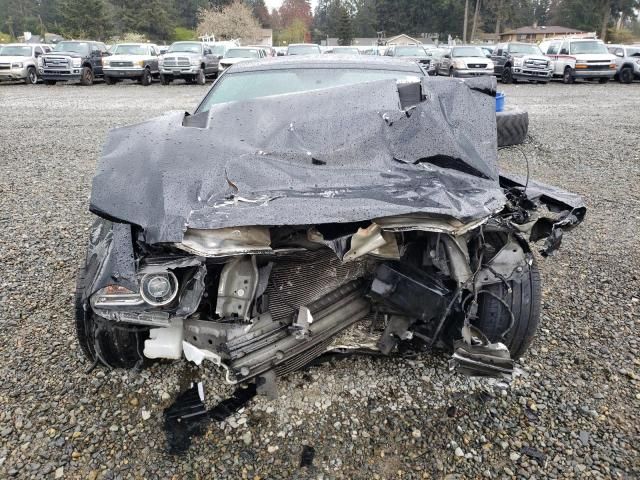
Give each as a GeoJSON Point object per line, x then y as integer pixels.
{"type": "Point", "coordinates": [14, 51]}
{"type": "Point", "coordinates": [410, 51]}
{"type": "Point", "coordinates": [525, 48]}
{"type": "Point", "coordinates": [72, 47]}
{"type": "Point", "coordinates": [467, 52]}
{"type": "Point", "coordinates": [129, 50]}
{"type": "Point", "coordinates": [186, 47]}
{"type": "Point", "coordinates": [588, 47]}
{"type": "Point", "coordinates": [248, 85]}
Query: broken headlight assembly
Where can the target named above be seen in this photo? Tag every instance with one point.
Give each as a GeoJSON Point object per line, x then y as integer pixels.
{"type": "Point", "coordinates": [156, 290]}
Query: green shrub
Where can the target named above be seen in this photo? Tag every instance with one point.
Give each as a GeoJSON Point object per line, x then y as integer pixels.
{"type": "Point", "coordinates": [181, 34]}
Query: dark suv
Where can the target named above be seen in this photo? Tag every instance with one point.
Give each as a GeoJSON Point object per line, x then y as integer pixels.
{"type": "Point", "coordinates": [72, 61]}
{"type": "Point", "coordinates": [521, 61]}
{"type": "Point", "coordinates": [415, 53]}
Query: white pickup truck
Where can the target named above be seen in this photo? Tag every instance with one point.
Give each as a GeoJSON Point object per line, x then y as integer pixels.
{"type": "Point", "coordinates": [575, 58]}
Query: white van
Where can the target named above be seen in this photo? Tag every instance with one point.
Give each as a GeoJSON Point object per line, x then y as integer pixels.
{"type": "Point", "coordinates": [576, 58]}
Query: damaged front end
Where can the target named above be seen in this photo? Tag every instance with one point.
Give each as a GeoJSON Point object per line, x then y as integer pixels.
{"type": "Point", "coordinates": [310, 241]}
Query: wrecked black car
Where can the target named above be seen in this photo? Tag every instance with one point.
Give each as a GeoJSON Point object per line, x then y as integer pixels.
{"type": "Point", "coordinates": [314, 205]}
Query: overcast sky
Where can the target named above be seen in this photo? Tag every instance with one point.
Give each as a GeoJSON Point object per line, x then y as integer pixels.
{"type": "Point", "coordinates": [276, 4]}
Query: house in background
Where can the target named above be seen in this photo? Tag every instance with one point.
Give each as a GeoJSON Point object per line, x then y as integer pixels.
{"type": "Point", "coordinates": [536, 34]}
{"type": "Point", "coordinates": [402, 39]}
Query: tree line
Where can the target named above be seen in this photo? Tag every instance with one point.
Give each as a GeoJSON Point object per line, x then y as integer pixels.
{"type": "Point", "coordinates": [295, 21]}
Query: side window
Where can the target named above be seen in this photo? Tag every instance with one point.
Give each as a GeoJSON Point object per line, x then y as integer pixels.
{"type": "Point", "coordinates": [38, 51]}
{"type": "Point", "coordinates": [619, 52]}
{"type": "Point", "coordinates": [553, 49]}
{"type": "Point", "coordinates": [564, 48]}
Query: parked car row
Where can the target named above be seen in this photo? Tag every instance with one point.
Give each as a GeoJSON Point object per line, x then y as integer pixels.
{"type": "Point", "coordinates": [193, 61]}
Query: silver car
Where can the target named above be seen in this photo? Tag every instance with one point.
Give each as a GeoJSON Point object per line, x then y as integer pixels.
{"type": "Point", "coordinates": [627, 62]}
{"type": "Point", "coordinates": [192, 61]}
{"type": "Point", "coordinates": [19, 61]}
{"type": "Point", "coordinates": [465, 61]}
{"type": "Point", "coordinates": [137, 61]}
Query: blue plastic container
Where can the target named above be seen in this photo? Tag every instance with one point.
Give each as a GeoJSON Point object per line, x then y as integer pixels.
{"type": "Point", "coordinates": [499, 101]}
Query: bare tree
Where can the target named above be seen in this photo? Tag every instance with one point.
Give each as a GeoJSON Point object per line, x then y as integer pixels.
{"type": "Point", "coordinates": [475, 20]}
{"type": "Point", "coordinates": [466, 16]}
{"type": "Point", "coordinates": [233, 21]}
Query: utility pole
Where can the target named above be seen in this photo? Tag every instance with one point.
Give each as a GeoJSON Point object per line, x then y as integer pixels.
{"type": "Point", "coordinates": [475, 20]}
{"type": "Point", "coordinates": [466, 14]}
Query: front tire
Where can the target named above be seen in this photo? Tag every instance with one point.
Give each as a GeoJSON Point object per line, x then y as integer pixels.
{"type": "Point", "coordinates": [507, 75]}
{"type": "Point", "coordinates": [452, 73]}
{"type": "Point", "coordinates": [524, 301]}
{"type": "Point", "coordinates": [112, 345]}
{"type": "Point", "coordinates": [86, 77]}
{"type": "Point", "coordinates": [626, 75]}
{"type": "Point", "coordinates": [145, 80]}
{"type": "Point", "coordinates": [201, 79]}
{"type": "Point", "coordinates": [109, 80]}
{"type": "Point", "coordinates": [32, 76]}
{"type": "Point", "coordinates": [165, 79]}
{"type": "Point", "coordinates": [603, 81]}
{"type": "Point", "coordinates": [567, 76]}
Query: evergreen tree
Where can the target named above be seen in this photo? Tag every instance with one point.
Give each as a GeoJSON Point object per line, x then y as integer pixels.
{"type": "Point", "coordinates": [85, 19]}
{"type": "Point", "coordinates": [345, 33]}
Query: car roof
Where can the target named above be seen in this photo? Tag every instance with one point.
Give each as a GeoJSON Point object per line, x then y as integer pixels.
{"type": "Point", "coordinates": [371, 62]}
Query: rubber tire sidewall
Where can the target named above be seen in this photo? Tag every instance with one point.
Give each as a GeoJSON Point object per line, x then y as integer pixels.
{"type": "Point", "coordinates": [28, 78]}
{"type": "Point", "coordinates": [164, 80]}
{"type": "Point", "coordinates": [85, 79]}
{"type": "Point", "coordinates": [512, 126]}
{"type": "Point", "coordinates": [109, 81]}
{"type": "Point", "coordinates": [145, 80]}
{"type": "Point", "coordinates": [622, 78]}
{"type": "Point", "coordinates": [201, 78]}
{"type": "Point", "coordinates": [525, 301]}
{"type": "Point", "coordinates": [567, 76]}
{"type": "Point", "coordinates": [508, 78]}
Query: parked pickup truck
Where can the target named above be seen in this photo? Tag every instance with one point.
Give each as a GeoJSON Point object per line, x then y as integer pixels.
{"type": "Point", "coordinates": [521, 61]}
{"type": "Point", "coordinates": [19, 61]}
{"type": "Point", "coordinates": [136, 61]}
{"type": "Point", "coordinates": [192, 61]}
{"type": "Point", "coordinates": [73, 61]}
{"type": "Point", "coordinates": [627, 62]}
{"type": "Point", "coordinates": [415, 53]}
{"type": "Point", "coordinates": [585, 59]}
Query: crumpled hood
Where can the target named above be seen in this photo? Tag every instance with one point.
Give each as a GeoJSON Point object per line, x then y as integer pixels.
{"type": "Point", "coordinates": [337, 155]}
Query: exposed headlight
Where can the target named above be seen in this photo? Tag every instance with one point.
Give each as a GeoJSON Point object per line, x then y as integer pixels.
{"type": "Point", "coordinates": [105, 63]}
{"type": "Point", "coordinates": [195, 62]}
{"type": "Point", "coordinates": [76, 62]}
{"type": "Point", "coordinates": [459, 64]}
{"type": "Point", "coordinates": [139, 63]}
{"type": "Point", "coordinates": [490, 65]}
{"type": "Point", "coordinates": [115, 296]}
{"type": "Point", "coordinates": [158, 289]}
{"type": "Point", "coordinates": [518, 62]}
{"type": "Point", "coordinates": [17, 65]}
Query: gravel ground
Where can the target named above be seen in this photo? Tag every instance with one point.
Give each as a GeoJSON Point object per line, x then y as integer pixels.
{"type": "Point", "coordinates": [572, 412]}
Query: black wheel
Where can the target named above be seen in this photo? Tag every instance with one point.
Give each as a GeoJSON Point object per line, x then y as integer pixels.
{"type": "Point", "coordinates": [507, 75]}
{"type": "Point", "coordinates": [452, 72]}
{"type": "Point", "coordinates": [86, 77]}
{"type": "Point", "coordinates": [112, 345]}
{"type": "Point", "coordinates": [602, 81]}
{"type": "Point", "coordinates": [567, 76]}
{"type": "Point", "coordinates": [201, 79]}
{"type": "Point", "coordinates": [49, 82]}
{"type": "Point", "coordinates": [32, 76]}
{"type": "Point", "coordinates": [513, 126]}
{"type": "Point", "coordinates": [524, 300]}
{"type": "Point", "coordinates": [145, 79]}
{"type": "Point", "coordinates": [165, 80]}
{"type": "Point", "coordinates": [188, 80]}
{"type": "Point", "coordinates": [109, 80]}
{"type": "Point", "coordinates": [626, 75]}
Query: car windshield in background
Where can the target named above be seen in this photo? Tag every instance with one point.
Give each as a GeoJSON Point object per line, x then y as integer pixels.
{"type": "Point", "coordinates": [467, 52]}
{"type": "Point", "coordinates": [588, 47]}
{"type": "Point", "coordinates": [241, 53]}
{"type": "Point", "coordinates": [345, 51]}
{"type": "Point", "coordinates": [525, 48]}
{"type": "Point", "coordinates": [410, 51]}
{"type": "Point", "coordinates": [129, 50]}
{"type": "Point", "coordinates": [72, 47]}
{"type": "Point", "coordinates": [193, 47]}
{"type": "Point", "coordinates": [244, 86]}
{"type": "Point", "coordinates": [217, 50]}
{"type": "Point", "coordinates": [13, 51]}
{"type": "Point", "coordinates": [303, 50]}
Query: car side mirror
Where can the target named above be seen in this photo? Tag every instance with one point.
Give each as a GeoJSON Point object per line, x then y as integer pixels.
{"type": "Point", "coordinates": [564, 51]}
{"type": "Point", "coordinates": [447, 56]}
{"type": "Point", "coordinates": [488, 55]}
{"type": "Point", "coordinates": [620, 54]}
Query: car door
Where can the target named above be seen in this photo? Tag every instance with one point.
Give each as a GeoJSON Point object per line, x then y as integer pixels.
{"type": "Point", "coordinates": [498, 58]}
{"type": "Point", "coordinates": [153, 62]}
{"type": "Point", "coordinates": [446, 62]}
{"type": "Point", "coordinates": [208, 59]}
{"type": "Point", "coordinates": [552, 52]}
